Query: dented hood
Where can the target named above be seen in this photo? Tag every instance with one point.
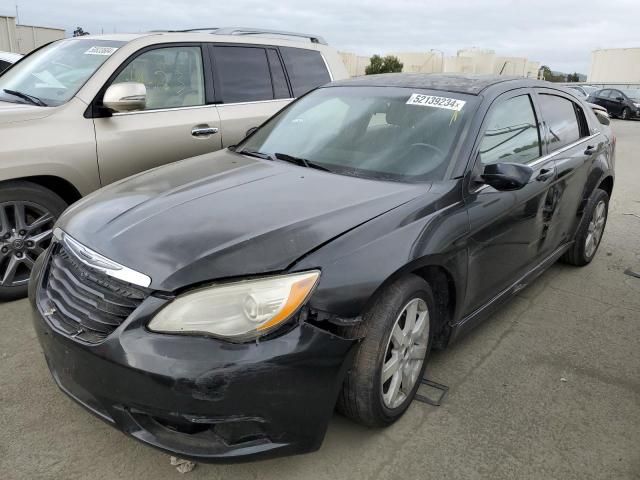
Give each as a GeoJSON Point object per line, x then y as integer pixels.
{"type": "Point", "coordinates": [225, 215]}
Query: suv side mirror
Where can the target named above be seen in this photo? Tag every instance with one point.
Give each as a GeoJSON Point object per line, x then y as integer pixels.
{"type": "Point", "coordinates": [506, 176]}
{"type": "Point", "coordinates": [125, 97]}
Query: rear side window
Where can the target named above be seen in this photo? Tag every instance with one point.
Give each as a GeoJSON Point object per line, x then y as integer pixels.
{"type": "Point", "coordinates": [243, 73]}
{"type": "Point", "coordinates": [562, 122]}
{"type": "Point", "coordinates": [306, 69]}
{"type": "Point", "coordinates": [280, 88]}
{"type": "Point", "coordinates": [512, 133]}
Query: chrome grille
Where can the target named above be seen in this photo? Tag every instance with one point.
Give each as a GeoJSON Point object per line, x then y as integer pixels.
{"type": "Point", "coordinates": [84, 303]}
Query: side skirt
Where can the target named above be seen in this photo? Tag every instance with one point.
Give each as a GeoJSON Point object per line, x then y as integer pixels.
{"type": "Point", "coordinates": [476, 317]}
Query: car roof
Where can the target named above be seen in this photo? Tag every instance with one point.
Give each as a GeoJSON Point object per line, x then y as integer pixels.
{"type": "Point", "coordinates": [460, 83]}
{"type": "Point", "coordinates": [10, 56]}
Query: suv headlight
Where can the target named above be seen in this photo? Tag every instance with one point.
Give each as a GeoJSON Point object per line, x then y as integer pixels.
{"type": "Point", "coordinates": [238, 311]}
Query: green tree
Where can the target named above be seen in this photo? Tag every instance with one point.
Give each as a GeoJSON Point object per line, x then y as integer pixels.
{"type": "Point", "coordinates": [573, 77]}
{"type": "Point", "coordinates": [545, 73]}
{"type": "Point", "coordinates": [388, 64]}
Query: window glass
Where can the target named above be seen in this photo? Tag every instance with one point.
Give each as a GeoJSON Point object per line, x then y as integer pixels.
{"type": "Point", "coordinates": [560, 117]}
{"type": "Point", "coordinates": [604, 93]}
{"type": "Point", "coordinates": [3, 65]}
{"type": "Point", "coordinates": [280, 88]}
{"type": "Point", "coordinates": [243, 73]}
{"type": "Point", "coordinates": [56, 72]}
{"type": "Point", "coordinates": [306, 69]}
{"type": "Point", "coordinates": [172, 76]}
{"type": "Point", "coordinates": [368, 132]}
{"type": "Point", "coordinates": [512, 133]}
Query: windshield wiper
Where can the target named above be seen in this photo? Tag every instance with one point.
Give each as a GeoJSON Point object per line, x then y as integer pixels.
{"type": "Point", "coordinates": [255, 153]}
{"type": "Point", "coordinates": [29, 98]}
{"type": "Point", "coordinates": [303, 162]}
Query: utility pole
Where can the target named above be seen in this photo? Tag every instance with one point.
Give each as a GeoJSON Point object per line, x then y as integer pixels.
{"type": "Point", "coordinates": [17, 15]}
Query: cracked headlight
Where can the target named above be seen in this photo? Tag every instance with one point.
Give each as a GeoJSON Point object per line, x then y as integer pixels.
{"type": "Point", "coordinates": [238, 311]}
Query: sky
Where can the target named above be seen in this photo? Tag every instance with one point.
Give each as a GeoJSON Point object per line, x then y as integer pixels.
{"type": "Point", "coordinates": [560, 33]}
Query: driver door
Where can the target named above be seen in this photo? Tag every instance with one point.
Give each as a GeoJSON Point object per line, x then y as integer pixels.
{"type": "Point", "coordinates": [176, 123]}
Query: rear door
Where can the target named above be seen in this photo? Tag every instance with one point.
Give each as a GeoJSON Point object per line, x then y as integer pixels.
{"type": "Point", "coordinates": [179, 120]}
{"type": "Point", "coordinates": [250, 86]}
{"type": "Point", "coordinates": [574, 148]}
{"type": "Point", "coordinates": [508, 229]}
{"type": "Point", "coordinates": [602, 98]}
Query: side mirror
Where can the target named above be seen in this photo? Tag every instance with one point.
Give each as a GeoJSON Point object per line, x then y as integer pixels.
{"type": "Point", "coordinates": [250, 131]}
{"type": "Point", "coordinates": [620, 99]}
{"type": "Point", "coordinates": [125, 97]}
{"type": "Point", "coordinates": [506, 176]}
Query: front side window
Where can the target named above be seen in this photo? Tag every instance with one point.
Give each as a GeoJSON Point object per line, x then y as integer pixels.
{"type": "Point", "coordinates": [53, 75]}
{"type": "Point", "coordinates": [244, 74]}
{"type": "Point", "coordinates": [306, 69]}
{"type": "Point", "coordinates": [4, 65]}
{"type": "Point", "coordinates": [368, 131]}
{"type": "Point", "coordinates": [560, 117]}
{"type": "Point", "coordinates": [512, 133]}
{"type": "Point", "coordinates": [173, 76]}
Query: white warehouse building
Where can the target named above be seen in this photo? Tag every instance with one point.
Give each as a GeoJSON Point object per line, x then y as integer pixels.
{"type": "Point", "coordinates": [24, 38]}
{"type": "Point", "coordinates": [620, 65]}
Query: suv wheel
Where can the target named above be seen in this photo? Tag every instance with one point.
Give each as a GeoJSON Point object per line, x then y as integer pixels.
{"type": "Point", "coordinates": [590, 230]}
{"type": "Point", "coordinates": [398, 332]}
{"type": "Point", "coordinates": [626, 113]}
{"type": "Point", "coordinates": [27, 215]}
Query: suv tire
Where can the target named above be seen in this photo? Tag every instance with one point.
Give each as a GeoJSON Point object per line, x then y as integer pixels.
{"type": "Point", "coordinates": [367, 396]}
{"type": "Point", "coordinates": [590, 230]}
{"type": "Point", "coordinates": [27, 215]}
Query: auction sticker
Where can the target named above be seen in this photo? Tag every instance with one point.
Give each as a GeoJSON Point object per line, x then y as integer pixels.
{"type": "Point", "coordinates": [101, 51]}
{"type": "Point", "coordinates": [437, 102]}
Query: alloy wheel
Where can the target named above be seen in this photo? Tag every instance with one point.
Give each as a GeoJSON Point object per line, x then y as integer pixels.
{"type": "Point", "coordinates": [625, 114]}
{"type": "Point", "coordinates": [26, 230]}
{"type": "Point", "coordinates": [595, 229]}
{"type": "Point", "coordinates": [405, 353]}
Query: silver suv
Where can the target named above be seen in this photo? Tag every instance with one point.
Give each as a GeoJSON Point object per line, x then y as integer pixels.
{"type": "Point", "coordinates": [81, 113]}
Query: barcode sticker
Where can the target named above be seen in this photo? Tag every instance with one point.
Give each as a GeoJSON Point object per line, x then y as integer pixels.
{"type": "Point", "coordinates": [101, 51]}
{"type": "Point", "coordinates": [437, 102]}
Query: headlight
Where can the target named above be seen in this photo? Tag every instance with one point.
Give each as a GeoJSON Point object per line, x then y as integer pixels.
{"type": "Point", "coordinates": [637, 105]}
{"type": "Point", "coordinates": [237, 311]}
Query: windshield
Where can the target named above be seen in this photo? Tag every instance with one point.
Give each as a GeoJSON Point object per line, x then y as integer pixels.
{"type": "Point", "coordinates": [390, 133]}
{"type": "Point", "coordinates": [55, 73]}
{"type": "Point", "coordinates": [632, 94]}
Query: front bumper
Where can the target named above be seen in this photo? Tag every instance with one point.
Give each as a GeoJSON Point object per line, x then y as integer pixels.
{"type": "Point", "coordinates": [202, 398]}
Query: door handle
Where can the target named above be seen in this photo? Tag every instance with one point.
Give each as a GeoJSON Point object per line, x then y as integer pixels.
{"type": "Point", "coordinates": [203, 131]}
{"type": "Point", "coordinates": [590, 149]}
{"type": "Point", "coordinates": [545, 174]}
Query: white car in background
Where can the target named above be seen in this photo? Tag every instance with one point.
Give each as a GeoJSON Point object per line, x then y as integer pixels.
{"type": "Point", "coordinates": [7, 59]}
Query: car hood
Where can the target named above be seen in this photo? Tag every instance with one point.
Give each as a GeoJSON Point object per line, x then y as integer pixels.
{"type": "Point", "coordinates": [225, 215]}
{"type": "Point", "coordinates": [20, 112]}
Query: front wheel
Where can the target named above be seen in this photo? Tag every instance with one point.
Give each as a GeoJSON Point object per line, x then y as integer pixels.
{"type": "Point", "coordinates": [398, 332]}
{"type": "Point", "coordinates": [590, 230]}
{"type": "Point", "coordinates": [27, 215]}
{"type": "Point", "coordinates": [626, 113]}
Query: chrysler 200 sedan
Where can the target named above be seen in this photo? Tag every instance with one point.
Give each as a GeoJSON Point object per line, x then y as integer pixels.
{"type": "Point", "coordinates": [219, 308]}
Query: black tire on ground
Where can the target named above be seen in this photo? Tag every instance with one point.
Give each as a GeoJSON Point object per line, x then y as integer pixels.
{"type": "Point", "coordinates": [626, 113]}
{"type": "Point", "coordinates": [578, 254]}
{"type": "Point", "coordinates": [361, 396]}
{"type": "Point", "coordinates": [37, 197]}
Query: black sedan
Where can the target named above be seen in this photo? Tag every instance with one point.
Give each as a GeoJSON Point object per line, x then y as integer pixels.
{"type": "Point", "coordinates": [624, 104]}
{"type": "Point", "coordinates": [219, 308]}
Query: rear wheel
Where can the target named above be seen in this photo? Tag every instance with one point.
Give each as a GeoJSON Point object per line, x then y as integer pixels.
{"type": "Point", "coordinates": [27, 215]}
{"type": "Point", "coordinates": [626, 113]}
{"type": "Point", "coordinates": [590, 230]}
{"type": "Point", "coordinates": [398, 332]}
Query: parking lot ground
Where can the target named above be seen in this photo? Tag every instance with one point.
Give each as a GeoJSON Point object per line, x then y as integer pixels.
{"type": "Point", "coordinates": [548, 388]}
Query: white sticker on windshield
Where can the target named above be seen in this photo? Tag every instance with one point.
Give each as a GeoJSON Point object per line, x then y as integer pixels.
{"type": "Point", "coordinates": [437, 102]}
{"type": "Point", "coordinates": [101, 51]}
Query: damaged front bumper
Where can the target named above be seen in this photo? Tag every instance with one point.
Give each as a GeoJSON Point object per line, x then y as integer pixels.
{"type": "Point", "coordinates": [202, 398]}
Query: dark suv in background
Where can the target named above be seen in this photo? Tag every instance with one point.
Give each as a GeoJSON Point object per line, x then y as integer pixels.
{"type": "Point", "coordinates": [619, 103]}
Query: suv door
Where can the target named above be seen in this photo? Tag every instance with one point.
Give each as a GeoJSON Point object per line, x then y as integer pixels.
{"type": "Point", "coordinates": [250, 86]}
{"type": "Point", "coordinates": [574, 148]}
{"type": "Point", "coordinates": [508, 229]}
{"type": "Point", "coordinates": [178, 122]}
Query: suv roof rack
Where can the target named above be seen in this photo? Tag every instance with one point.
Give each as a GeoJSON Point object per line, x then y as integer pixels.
{"type": "Point", "coordinates": [252, 31]}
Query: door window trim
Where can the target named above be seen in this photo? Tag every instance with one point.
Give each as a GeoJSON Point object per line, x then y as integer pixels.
{"type": "Point", "coordinates": [96, 110]}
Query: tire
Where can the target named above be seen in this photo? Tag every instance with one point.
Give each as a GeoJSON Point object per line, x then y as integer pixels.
{"type": "Point", "coordinates": [365, 397]}
{"type": "Point", "coordinates": [626, 113]}
{"type": "Point", "coordinates": [27, 215]}
{"type": "Point", "coordinates": [593, 223]}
